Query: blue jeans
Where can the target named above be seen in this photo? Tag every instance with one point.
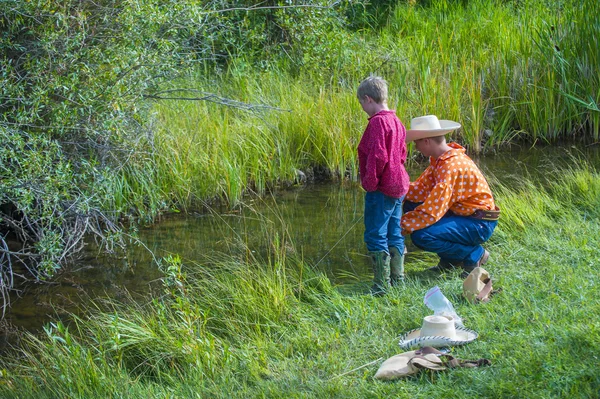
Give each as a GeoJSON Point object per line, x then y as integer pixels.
{"type": "Point", "coordinates": [454, 238]}
{"type": "Point", "coordinates": [382, 222]}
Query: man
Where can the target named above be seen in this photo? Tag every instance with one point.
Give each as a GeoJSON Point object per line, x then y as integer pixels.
{"type": "Point", "coordinates": [449, 209]}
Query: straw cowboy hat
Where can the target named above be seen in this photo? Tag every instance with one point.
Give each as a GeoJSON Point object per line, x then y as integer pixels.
{"type": "Point", "coordinates": [437, 331]}
{"type": "Point", "coordinates": [429, 126]}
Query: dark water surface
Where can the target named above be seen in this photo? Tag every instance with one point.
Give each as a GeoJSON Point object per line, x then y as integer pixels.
{"type": "Point", "coordinates": [323, 221]}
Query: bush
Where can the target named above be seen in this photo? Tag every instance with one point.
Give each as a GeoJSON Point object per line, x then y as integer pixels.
{"type": "Point", "coordinates": [75, 75]}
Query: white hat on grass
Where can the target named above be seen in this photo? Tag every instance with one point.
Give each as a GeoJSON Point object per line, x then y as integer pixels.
{"type": "Point", "coordinates": [437, 331]}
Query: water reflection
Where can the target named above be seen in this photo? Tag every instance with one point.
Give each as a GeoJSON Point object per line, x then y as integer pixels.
{"type": "Point", "coordinates": [324, 223]}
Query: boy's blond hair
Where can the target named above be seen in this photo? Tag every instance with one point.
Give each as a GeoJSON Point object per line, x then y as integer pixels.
{"type": "Point", "coordinates": [374, 87]}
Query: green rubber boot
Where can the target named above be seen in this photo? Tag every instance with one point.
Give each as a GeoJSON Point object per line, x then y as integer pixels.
{"type": "Point", "coordinates": [396, 267]}
{"type": "Point", "coordinates": [381, 272]}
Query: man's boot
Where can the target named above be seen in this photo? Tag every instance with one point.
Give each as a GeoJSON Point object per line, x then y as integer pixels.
{"type": "Point", "coordinates": [469, 268]}
{"type": "Point", "coordinates": [396, 267]}
{"type": "Point", "coordinates": [381, 272]}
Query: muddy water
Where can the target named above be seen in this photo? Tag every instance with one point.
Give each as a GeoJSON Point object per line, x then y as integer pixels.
{"type": "Point", "coordinates": [324, 223]}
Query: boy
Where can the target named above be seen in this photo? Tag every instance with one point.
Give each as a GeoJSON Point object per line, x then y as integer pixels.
{"type": "Point", "coordinates": [449, 209]}
{"type": "Point", "coordinates": [381, 158]}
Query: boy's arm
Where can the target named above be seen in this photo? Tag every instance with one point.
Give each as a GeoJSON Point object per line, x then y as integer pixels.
{"type": "Point", "coordinates": [377, 157]}
{"type": "Point", "coordinates": [420, 188]}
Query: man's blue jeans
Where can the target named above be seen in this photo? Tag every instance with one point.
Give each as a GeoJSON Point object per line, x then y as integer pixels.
{"type": "Point", "coordinates": [382, 222]}
{"type": "Point", "coordinates": [454, 238]}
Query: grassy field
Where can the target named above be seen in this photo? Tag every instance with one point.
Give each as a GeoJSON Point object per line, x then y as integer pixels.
{"type": "Point", "coordinates": [236, 326]}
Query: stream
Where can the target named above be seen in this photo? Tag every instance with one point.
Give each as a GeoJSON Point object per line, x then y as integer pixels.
{"type": "Point", "coordinates": [322, 221]}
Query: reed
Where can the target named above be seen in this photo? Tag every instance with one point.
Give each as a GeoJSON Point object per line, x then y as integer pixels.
{"type": "Point", "coordinates": [205, 150]}
{"type": "Point", "coordinates": [508, 71]}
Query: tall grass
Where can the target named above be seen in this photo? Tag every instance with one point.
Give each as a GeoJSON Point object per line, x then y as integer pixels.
{"type": "Point", "coordinates": [506, 70]}
{"type": "Point", "coordinates": [521, 64]}
{"type": "Point", "coordinates": [205, 150]}
{"type": "Point", "coordinates": [243, 325]}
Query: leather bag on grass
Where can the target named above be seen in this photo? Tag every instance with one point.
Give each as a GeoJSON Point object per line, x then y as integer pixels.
{"type": "Point", "coordinates": [409, 363]}
{"type": "Point", "coordinates": [477, 287]}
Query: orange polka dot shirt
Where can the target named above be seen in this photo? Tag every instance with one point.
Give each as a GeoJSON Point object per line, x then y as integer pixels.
{"type": "Point", "coordinates": [450, 182]}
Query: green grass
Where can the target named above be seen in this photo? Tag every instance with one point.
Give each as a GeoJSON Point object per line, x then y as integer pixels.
{"type": "Point", "coordinates": [240, 326]}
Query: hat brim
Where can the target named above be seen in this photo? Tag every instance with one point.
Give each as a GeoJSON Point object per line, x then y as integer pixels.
{"type": "Point", "coordinates": [413, 338]}
{"type": "Point", "coordinates": [446, 126]}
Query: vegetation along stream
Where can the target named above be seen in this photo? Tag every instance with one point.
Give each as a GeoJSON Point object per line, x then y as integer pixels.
{"type": "Point", "coordinates": [271, 299]}
{"type": "Point", "coordinates": [323, 221]}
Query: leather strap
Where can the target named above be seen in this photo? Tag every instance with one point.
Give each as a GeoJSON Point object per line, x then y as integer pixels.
{"type": "Point", "coordinates": [447, 360]}
{"type": "Point", "coordinates": [454, 362]}
{"type": "Point", "coordinates": [484, 294]}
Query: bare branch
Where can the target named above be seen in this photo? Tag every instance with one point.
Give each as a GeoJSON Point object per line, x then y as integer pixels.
{"type": "Point", "coordinates": [254, 8]}
{"type": "Point", "coordinates": [211, 97]}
